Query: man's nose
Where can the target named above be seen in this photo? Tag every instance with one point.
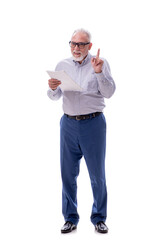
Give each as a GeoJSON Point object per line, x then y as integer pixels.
{"type": "Point", "coordinates": [76, 47]}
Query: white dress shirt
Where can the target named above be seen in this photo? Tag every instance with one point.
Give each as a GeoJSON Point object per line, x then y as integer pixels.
{"type": "Point", "coordinates": [96, 87]}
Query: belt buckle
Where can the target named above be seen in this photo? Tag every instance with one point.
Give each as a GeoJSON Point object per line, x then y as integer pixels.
{"type": "Point", "coordinates": [78, 118]}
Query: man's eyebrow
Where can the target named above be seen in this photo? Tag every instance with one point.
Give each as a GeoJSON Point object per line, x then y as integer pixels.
{"type": "Point", "coordinates": [79, 42]}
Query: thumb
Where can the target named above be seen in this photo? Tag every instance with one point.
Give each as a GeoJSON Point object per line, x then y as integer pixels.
{"type": "Point", "coordinates": [93, 60]}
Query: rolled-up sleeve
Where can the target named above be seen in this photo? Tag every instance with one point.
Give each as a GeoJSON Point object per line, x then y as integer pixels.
{"type": "Point", "coordinates": [105, 81]}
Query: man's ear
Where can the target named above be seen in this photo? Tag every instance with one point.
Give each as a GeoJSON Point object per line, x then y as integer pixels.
{"type": "Point", "coordinates": [90, 46]}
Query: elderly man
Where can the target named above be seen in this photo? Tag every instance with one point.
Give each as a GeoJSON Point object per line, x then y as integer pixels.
{"type": "Point", "coordinates": [83, 128]}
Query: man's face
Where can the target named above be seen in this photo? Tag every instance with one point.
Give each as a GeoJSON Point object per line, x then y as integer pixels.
{"type": "Point", "coordinates": [80, 54]}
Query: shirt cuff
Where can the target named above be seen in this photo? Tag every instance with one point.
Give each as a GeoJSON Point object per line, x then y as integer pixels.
{"type": "Point", "coordinates": [54, 91]}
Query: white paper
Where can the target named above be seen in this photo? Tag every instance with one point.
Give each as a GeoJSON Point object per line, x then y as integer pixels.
{"type": "Point", "coordinates": [67, 84]}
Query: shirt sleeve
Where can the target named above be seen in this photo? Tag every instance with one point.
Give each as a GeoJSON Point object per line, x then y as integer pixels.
{"type": "Point", "coordinates": [54, 94]}
{"type": "Point", "coordinates": [105, 81]}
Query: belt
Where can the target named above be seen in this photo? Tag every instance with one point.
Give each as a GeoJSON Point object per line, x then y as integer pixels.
{"type": "Point", "coordinates": [83, 117]}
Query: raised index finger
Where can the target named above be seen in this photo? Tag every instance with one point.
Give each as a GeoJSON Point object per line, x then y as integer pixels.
{"type": "Point", "coordinates": [98, 53]}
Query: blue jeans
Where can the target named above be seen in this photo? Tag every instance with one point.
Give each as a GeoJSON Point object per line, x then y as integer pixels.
{"type": "Point", "coordinates": [77, 139]}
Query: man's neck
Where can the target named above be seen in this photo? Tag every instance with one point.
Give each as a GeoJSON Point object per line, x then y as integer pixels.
{"type": "Point", "coordinates": [82, 60]}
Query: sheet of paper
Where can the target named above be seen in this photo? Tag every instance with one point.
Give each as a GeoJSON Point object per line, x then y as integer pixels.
{"type": "Point", "coordinates": [67, 84]}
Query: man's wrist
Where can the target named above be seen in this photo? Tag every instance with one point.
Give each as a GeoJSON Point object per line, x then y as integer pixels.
{"type": "Point", "coordinates": [53, 89]}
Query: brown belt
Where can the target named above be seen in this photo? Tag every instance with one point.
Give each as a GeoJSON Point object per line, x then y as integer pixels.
{"type": "Point", "coordinates": [83, 117]}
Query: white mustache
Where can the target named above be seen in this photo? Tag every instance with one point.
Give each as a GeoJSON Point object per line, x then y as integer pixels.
{"type": "Point", "coordinates": [76, 51]}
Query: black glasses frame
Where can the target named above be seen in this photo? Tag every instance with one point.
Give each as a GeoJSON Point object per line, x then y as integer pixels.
{"type": "Point", "coordinates": [82, 44]}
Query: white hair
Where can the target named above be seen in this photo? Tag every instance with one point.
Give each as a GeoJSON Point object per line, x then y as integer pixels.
{"type": "Point", "coordinates": [82, 31]}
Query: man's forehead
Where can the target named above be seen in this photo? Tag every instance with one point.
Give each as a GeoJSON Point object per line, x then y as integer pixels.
{"type": "Point", "coordinates": [80, 37]}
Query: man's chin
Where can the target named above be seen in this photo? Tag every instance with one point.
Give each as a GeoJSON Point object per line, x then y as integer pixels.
{"type": "Point", "coordinates": [78, 59]}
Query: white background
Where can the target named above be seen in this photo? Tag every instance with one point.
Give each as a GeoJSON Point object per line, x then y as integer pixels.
{"type": "Point", "coordinates": [34, 38]}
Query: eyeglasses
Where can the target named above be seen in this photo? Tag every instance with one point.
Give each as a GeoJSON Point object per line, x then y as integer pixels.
{"type": "Point", "coordinates": [81, 45]}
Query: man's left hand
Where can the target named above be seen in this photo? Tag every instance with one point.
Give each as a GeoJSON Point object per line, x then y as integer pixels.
{"type": "Point", "coordinates": [97, 63]}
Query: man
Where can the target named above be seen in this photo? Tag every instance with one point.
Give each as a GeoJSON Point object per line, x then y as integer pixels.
{"type": "Point", "coordinates": [83, 128]}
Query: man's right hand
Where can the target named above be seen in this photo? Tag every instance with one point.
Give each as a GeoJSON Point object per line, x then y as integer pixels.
{"type": "Point", "coordinates": [53, 83]}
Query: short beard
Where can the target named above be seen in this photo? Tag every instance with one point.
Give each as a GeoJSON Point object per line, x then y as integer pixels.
{"type": "Point", "coordinates": [78, 59]}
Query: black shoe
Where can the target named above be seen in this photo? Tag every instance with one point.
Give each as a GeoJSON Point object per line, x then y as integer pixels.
{"type": "Point", "coordinates": [68, 227]}
{"type": "Point", "coordinates": [101, 227]}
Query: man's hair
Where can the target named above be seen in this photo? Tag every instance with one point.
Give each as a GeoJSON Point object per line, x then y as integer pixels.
{"type": "Point", "coordinates": [82, 31]}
